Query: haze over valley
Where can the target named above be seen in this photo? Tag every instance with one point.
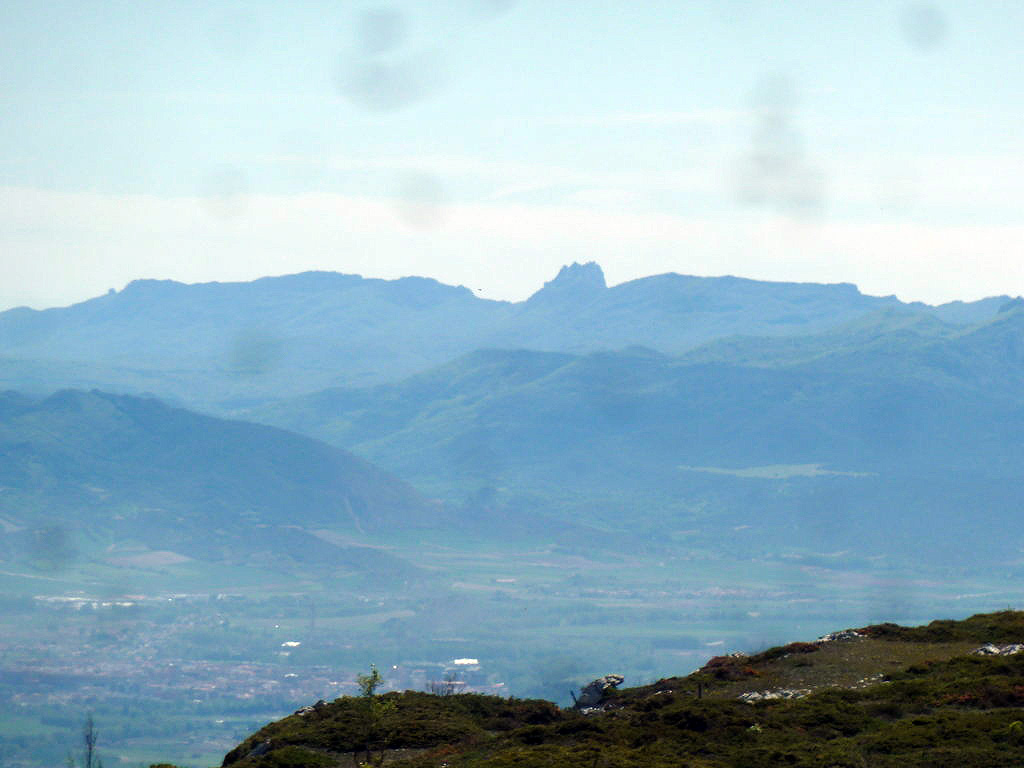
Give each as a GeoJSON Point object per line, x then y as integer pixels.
{"type": "Point", "coordinates": [227, 499]}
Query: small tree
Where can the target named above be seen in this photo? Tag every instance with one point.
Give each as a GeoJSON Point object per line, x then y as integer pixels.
{"type": "Point", "coordinates": [375, 708]}
{"type": "Point", "coordinates": [368, 684]}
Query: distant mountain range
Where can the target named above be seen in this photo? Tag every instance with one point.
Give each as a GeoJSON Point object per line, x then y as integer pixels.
{"type": "Point", "coordinates": [823, 419]}
{"type": "Point", "coordinates": [867, 396]}
{"type": "Point", "coordinates": [892, 423]}
{"type": "Point", "coordinates": [225, 345]}
{"type": "Point", "coordinates": [592, 468]}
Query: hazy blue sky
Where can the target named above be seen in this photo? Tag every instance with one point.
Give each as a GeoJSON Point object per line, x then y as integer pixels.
{"type": "Point", "coordinates": [487, 142]}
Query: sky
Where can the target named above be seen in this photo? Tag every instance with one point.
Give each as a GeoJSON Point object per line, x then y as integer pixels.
{"type": "Point", "coordinates": [488, 142]}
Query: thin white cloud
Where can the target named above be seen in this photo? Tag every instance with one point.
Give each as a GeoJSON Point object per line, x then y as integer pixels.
{"type": "Point", "coordinates": [507, 180]}
{"type": "Point", "coordinates": [970, 187]}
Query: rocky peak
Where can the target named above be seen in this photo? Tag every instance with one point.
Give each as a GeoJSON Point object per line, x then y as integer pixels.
{"type": "Point", "coordinates": [574, 282]}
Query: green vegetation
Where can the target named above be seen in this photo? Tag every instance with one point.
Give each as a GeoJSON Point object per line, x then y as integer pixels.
{"type": "Point", "coordinates": [1002, 627]}
{"type": "Point", "coordinates": [375, 711]}
{"type": "Point", "coordinates": [945, 708]}
{"type": "Point", "coordinates": [406, 721]}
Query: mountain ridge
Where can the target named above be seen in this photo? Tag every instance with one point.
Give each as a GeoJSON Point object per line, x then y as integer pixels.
{"type": "Point", "coordinates": [115, 468]}
{"type": "Point", "coordinates": [908, 413]}
{"type": "Point", "coordinates": [215, 345]}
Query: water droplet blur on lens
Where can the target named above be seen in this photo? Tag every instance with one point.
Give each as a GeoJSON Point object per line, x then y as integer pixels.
{"type": "Point", "coordinates": [380, 30]}
{"type": "Point", "coordinates": [254, 352]}
{"type": "Point", "coordinates": [775, 173]}
{"type": "Point", "coordinates": [924, 26]}
{"type": "Point", "coordinates": [385, 86]}
{"type": "Point", "coordinates": [381, 75]}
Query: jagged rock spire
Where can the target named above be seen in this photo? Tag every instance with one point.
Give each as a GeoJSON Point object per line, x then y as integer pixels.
{"type": "Point", "coordinates": [574, 282]}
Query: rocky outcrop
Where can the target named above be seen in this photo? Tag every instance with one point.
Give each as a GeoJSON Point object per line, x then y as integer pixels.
{"type": "Point", "coordinates": [752, 697]}
{"type": "Point", "coordinates": [991, 649]}
{"type": "Point", "coordinates": [595, 692]}
{"type": "Point", "coordinates": [574, 286]}
{"type": "Point", "coordinates": [308, 710]}
{"type": "Point", "coordinates": [845, 635]}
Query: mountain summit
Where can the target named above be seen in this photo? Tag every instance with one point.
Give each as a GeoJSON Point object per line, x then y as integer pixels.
{"type": "Point", "coordinates": [574, 282]}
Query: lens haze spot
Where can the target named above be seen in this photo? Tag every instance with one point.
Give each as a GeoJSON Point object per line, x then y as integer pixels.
{"type": "Point", "coordinates": [924, 26]}
{"type": "Point", "coordinates": [380, 30]}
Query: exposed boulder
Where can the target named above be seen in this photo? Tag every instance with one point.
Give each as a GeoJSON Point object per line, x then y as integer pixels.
{"type": "Point", "coordinates": [595, 692]}
{"type": "Point", "coordinates": [752, 697]}
{"type": "Point", "coordinates": [844, 636]}
{"type": "Point", "coordinates": [308, 710]}
{"type": "Point", "coordinates": [991, 649]}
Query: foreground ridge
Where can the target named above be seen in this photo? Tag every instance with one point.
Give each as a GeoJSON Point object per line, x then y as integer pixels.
{"type": "Point", "coordinates": [948, 693]}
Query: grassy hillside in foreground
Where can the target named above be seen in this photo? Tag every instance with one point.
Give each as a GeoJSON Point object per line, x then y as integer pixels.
{"type": "Point", "coordinates": [892, 696]}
